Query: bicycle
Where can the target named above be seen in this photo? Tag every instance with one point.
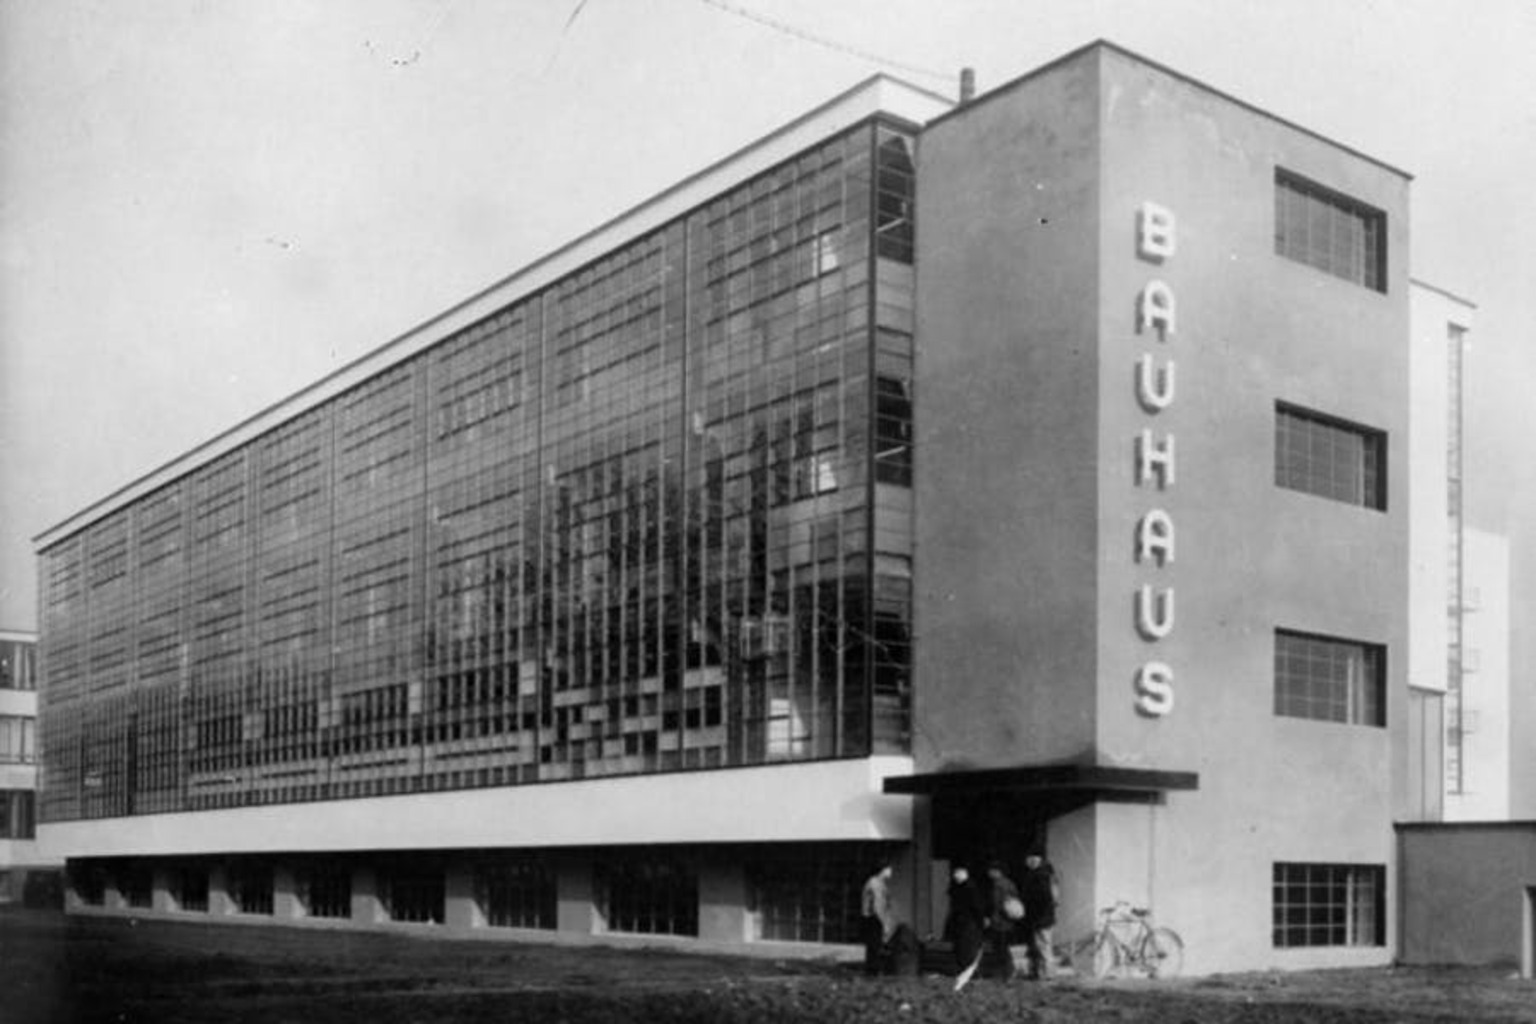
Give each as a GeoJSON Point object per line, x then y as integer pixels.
{"type": "Point", "coordinates": [1127, 944]}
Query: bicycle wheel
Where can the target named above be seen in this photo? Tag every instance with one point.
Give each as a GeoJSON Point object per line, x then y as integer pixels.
{"type": "Point", "coordinates": [1162, 952]}
{"type": "Point", "coordinates": [1108, 957]}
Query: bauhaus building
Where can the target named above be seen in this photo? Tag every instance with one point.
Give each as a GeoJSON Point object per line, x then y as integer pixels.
{"type": "Point", "coordinates": [923, 480]}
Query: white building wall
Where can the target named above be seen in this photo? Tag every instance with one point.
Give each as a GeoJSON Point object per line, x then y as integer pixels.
{"type": "Point", "coordinates": [824, 800]}
{"type": "Point", "coordinates": [1431, 313]}
{"type": "Point", "coordinates": [18, 853]}
{"type": "Point", "coordinates": [1486, 728]}
{"type": "Point", "coordinates": [1433, 538]}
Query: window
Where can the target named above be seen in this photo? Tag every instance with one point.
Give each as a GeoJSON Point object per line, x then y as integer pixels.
{"type": "Point", "coordinates": [517, 894]}
{"type": "Point", "coordinates": [136, 883]}
{"type": "Point", "coordinates": [1330, 458]}
{"type": "Point", "coordinates": [16, 666]}
{"type": "Point", "coordinates": [250, 887]}
{"type": "Point", "coordinates": [190, 888]}
{"type": "Point", "coordinates": [17, 814]}
{"type": "Point", "coordinates": [325, 889]}
{"type": "Point", "coordinates": [893, 197]}
{"type": "Point", "coordinates": [1332, 232]}
{"type": "Point", "coordinates": [1329, 905]}
{"type": "Point", "coordinates": [893, 432]}
{"type": "Point", "coordinates": [652, 893]}
{"type": "Point", "coordinates": [413, 890]}
{"type": "Point", "coordinates": [809, 893]}
{"type": "Point", "coordinates": [1329, 680]}
{"type": "Point", "coordinates": [18, 739]}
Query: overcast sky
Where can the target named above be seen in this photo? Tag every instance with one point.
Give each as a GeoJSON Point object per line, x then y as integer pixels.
{"type": "Point", "coordinates": [208, 204]}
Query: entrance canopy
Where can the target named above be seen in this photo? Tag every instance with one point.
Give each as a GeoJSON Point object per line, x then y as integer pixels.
{"type": "Point", "coordinates": [979, 814]}
{"type": "Point", "coordinates": [1082, 781]}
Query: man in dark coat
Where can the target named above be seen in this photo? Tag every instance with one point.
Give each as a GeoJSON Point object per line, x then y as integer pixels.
{"type": "Point", "coordinates": [1040, 891]}
{"type": "Point", "coordinates": [966, 924]}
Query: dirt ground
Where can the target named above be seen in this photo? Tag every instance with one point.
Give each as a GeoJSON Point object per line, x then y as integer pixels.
{"type": "Point", "coordinates": [58, 969]}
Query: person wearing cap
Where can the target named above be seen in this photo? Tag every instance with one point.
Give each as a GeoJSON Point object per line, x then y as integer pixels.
{"type": "Point", "coordinates": [1040, 892]}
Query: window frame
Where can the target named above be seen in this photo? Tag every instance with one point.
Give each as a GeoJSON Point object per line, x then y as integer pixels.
{"type": "Point", "coordinates": [1359, 920]}
{"type": "Point", "coordinates": [1372, 267]}
{"type": "Point", "coordinates": [1373, 481]}
{"type": "Point", "coordinates": [1367, 707]}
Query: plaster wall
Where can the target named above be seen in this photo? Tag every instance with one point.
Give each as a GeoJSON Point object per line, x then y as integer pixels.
{"type": "Point", "coordinates": [1029, 500]}
{"type": "Point", "coordinates": [1466, 892]}
{"type": "Point", "coordinates": [765, 804]}
{"type": "Point", "coordinates": [1252, 329]}
{"type": "Point", "coordinates": [1007, 200]}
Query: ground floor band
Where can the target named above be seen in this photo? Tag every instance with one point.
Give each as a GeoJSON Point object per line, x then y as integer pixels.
{"type": "Point", "coordinates": [766, 859]}
{"type": "Point", "coordinates": [716, 896]}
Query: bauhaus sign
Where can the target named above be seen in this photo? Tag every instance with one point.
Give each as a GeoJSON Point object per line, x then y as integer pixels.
{"type": "Point", "coordinates": [1157, 322]}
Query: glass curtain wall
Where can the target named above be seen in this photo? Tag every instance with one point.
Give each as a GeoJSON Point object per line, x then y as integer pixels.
{"type": "Point", "coordinates": [654, 517]}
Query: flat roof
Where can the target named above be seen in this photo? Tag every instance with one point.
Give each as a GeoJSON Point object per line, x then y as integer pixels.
{"type": "Point", "coordinates": [1444, 293]}
{"type": "Point", "coordinates": [1105, 44]}
{"type": "Point", "coordinates": [877, 95]}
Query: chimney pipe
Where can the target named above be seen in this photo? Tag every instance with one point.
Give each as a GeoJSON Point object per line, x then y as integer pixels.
{"type": "Point", "coordinates": [967, 85]}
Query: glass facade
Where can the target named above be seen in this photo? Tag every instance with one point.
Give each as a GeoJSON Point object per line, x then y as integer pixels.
{"type": "Point", "coordinates": [655, 516]}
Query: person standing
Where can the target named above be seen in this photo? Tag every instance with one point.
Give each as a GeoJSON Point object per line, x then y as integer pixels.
{"type": "Point", "coordinates": [965, 925]}
{"type": "Point", "coordinates": [879, 917]}
{"type": "Point", "coordinates": [1040, 892]}
{"type": "Point", "coordinates": [1007, 911]}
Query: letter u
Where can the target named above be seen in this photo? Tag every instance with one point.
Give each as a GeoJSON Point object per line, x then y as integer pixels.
{"type": "Point", "coordinates": [1154, 617]}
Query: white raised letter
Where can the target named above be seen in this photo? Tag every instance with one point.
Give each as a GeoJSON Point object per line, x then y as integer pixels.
{"type": "Point", "coordinates": [1154, 391]}
{"type": "Point", "coordinates": [1154, 689]}
{"type": "Point", "coordinates": [1152, 457]}
{"type": "Point", "coordinates": [1156, 235]}
{"type": "Point", "coordinates": [1154, 618]}
{"type": "Point", "coordinates": [1157, 308]}
{"type": "Point", "coordinates": [1154, 538]}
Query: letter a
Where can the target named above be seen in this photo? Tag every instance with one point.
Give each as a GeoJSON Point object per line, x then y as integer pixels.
{"type": "Point", "coordinates": [1157, 308]}
{"type": "Point", "coordinates": [1154, 538]}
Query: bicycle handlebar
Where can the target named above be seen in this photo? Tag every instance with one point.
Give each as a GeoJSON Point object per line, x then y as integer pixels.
{"type": "Point", "coordinates": [1124, 908]}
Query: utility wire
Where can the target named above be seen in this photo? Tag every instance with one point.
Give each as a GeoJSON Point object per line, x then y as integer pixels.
{"type": "Point", "coordinates": [801, 34]}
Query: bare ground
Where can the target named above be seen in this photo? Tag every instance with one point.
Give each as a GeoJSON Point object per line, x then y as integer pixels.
{"type": "Point", "coordinates": [58, 969]}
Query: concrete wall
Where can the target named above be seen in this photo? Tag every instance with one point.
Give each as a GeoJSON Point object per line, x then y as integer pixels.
{"type": "Point", "coordinates": [764, 804]}
{"type": "Point", "coordinates": [1252, 328]}
{"type": "Point", "coordinates": [1467, 892]}
{"type": "Point", "coordinates": [1031, 414]}
{"type": "Point", "coordinates": [1007, 200]}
